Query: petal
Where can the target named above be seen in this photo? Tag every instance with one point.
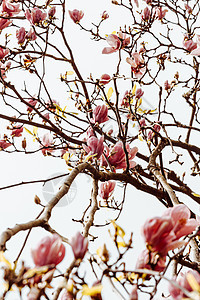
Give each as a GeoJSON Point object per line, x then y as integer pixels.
{"type": "Point", "coordinates": [195, 52]}
{"type": "Point", "coordinates": [108, 50]}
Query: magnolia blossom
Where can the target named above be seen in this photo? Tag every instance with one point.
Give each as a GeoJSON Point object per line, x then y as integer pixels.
{"type": "Point", "coordinates": [167, 85]}
{"type": "Point", "coordinates": [136, 2]}
{"type": "Point", "coordinates": [79, 245]}
{"type": "Point", "coordinates": [162, 234]}
{"type": "Point", "coordinates": [94, 146]}
{"type": "Point", "coordinates": [21, 35]}
{"type": "Point", "coordinates": [67, 296]}
{"type": "Point", "coordinates": [137, 64]}
{"type": "Point", "coordinates": [3, 69]}
{"type": "Point", "coordinates": [160, 14]}
{"type": "Point", "coordinates": [90, 132]}
{"type": "Point", "coordinates": [76, 15]}
{"type": "Point", "coordinates": [151, 133]}
{"type": "Point", "coordinates": [47, 141]}
{"type": "Point", "coordinates": [117, 157]}
{"type": "Point", "coordinates": [3, 52]}
{"type": "Point", "coordinates": [188, 8]}
{"type": "Point", "coordinates": [182, 280]}
{"type": "Point", "coordinates": [104, 15]}
{"type": "Point", "coordinates": [134, 294]}
{"type": "Point", "coordinates": [10, 8]}
{"type": "Point", "coordinates": [105, 78]}
{"type": "Point", "coordinates": [17, 131]}
{"type": "Point", "coordinates": [4, 144]}
{"type": "Point", "coordinates": [31, 35]}
{"type": "Point", "coordinates": [116, 42]}
{"type": "Point", "coordinates": [189, 45]}
{"type": "Point", "coordinates": [139, 93]}
{"type": "Point", "coordinates": [36, 16]}
{"type": "Point", "coordinates": [49, 251]}
{"type": "Point", "coordinates": [150, 261]}
{"type": "Point", "coordinates": [146, 14]}
{"type": "Point", "coordinates": [32, 102]}
{"type": "Point", "coordinates": [196, 51]}
{"type": "Point", "coordinates": [100, 114]}
{"type": "Point", "coordinates": [4, 22]}
{"type": "Point", "coordinates": [106, 189]}
{"type": "Point", "coordinates": [52, 12]}
{"type": "Point", "coordinates": [125, 100]}
{"type": "Point", "coordinates": [142, 122]}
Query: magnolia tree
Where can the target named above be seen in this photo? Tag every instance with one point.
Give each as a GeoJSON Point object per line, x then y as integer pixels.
{"type": "Point", "coordinates": [153, 149]}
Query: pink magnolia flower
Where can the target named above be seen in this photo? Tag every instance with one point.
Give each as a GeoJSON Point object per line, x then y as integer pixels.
{"type": "Point", "coordinates": [116, 42]}
{"type": "Point", "coordinates": [134, 294]}
{"type": "Point", "coordinates": [67, 296]}
{"type": "Point", "coordinates": [182, 280]}
{"type": "Point", "coordinates": [104, 15]}
{"type": "Point", "coordinates": [106, 189]}
{"type": "Point", "coordinates": [150, 261]}
{"type": "Point", "coordinates": [180, 215]}
{"type": "Point", "coordinates": [136, 3]}
{"type": "Point", "coordinates": [3, 52]}
{"type": "Point", "coordinates": [139, 93]}
{"type": "Point", "coordinates": [52, 12]}
{"type": "Point", "coordinates": [21, 35]}
{"type": "Point", "coordinates": [105, 78]}
{"type": "Point", "coordinates": [4, 144]}
{"type": "Point", "coordinates": [94, 146]}
{"type": "Point", "coordinates": [125, 100]}
{"type": "Point", "coordinates": [36, 16]}
{"type": "Point", "coordinates": [146, 14]}
{"type": "Point", "coordinates": [90, 132]}
{"type": "Point", "coordinates": [49, 251]}
{"type": "Point", "coordinates": [158, 233]}
{"type": "Point", "coordinates": [124, 39]}
{"type": "Point", "coordinates": [188, 8]}
{"type": "Point", "coordinates": [117, 158]}
{"type": "Point", "coordinates": [17, 131]}
{"type": "Point", "coordinates": [100, 114]}
{"type": "Point", "coordinates": [142, 122]}
{"type": "Point", "coordinates": [3, 69]}
{"type": "Point", "coordinates": [47, 142]}
{"type": "Point", "coordinates": [196, 51]}
{"type": "Point", "coordinates": [79, 246]}
{"type": "Point", "coordinates": [151, 133]}
{"type": "Point", "coordinates": [162, 234]}
{"type": "Point", "coordinates": [76, 15]}
{"type": "Point", "coordinates": [137, 64]}
{"type": "Point", "coordinates": [189, 45]}
{"type": "Point", "coordinates": [10, 8]}
{"type": "Point", "coordinates": [31, 35]}
{"type": "Point", "coordinates": [3, 21]}
{"type": "Point", "coordinates": [167, 85]}
{"type": "Point", "coordinates": [32, 102]}
{"type": "Point", "coordinates": [160, 13]}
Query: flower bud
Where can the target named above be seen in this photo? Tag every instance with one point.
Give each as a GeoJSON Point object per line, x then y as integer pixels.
{"type": "Point", "coordinates": [52, 12]}
{"type": "Point", "coordinates": [79, 246]}
{"type": "Point", "coordinates": [105, 15]}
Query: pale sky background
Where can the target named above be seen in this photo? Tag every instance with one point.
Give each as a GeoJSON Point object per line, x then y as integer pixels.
{"type": "Point", "coordinates": [17, 204]}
